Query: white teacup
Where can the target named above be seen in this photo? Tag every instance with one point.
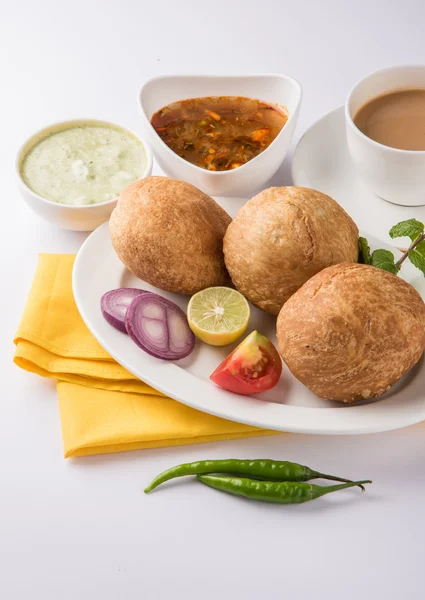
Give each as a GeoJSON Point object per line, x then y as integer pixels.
{"type": "Point", "coordinates": [395, 175]}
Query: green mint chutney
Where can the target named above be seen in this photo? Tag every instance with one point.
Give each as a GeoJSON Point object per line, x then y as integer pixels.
{"type": "Point", "coordinates": [86, 163]}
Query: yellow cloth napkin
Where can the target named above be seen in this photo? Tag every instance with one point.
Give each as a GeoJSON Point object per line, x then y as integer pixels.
{"type": "Point", "coordinates": [103, 407]}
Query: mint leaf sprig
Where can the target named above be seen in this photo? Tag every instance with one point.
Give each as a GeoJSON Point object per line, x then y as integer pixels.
{"type": "Point", "coordinates": [384, 259]}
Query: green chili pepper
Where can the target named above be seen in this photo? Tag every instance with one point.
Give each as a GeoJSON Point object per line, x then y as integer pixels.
{"type": "Point", "coordinates": [269, 470]}
{"type": "Point", "coordinates": [286, 492]}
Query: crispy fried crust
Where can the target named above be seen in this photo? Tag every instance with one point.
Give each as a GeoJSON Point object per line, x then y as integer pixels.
{"type": "Point", "coordinates": [170, 234]}
{"type": "Point", "coordinates": [351, 332]}
{"type": "Point", "coordinates": [281, 238]}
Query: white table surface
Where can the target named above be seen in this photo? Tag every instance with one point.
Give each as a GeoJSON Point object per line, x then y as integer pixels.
{"type": "Point", "coordinates": [82, 528]}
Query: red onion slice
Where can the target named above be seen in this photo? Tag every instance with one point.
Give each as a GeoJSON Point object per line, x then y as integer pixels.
{"type": "Point", "coordinates": [114, 305]}
{"type": "Point", "coordinates": [159, 327]}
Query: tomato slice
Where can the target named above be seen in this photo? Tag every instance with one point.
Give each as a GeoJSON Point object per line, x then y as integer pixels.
{"type": "Point", "coordinates": [253, 367]}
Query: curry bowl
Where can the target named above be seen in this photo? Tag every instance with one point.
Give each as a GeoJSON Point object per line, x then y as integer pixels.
{"type": "Point", "coordinates": [239, 182]}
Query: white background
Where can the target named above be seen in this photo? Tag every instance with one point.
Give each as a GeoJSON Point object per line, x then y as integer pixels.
{"type": "Point", "coordinates": [82, 528]}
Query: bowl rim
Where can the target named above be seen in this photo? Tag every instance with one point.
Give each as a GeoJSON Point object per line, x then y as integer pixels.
{"type": "Point", "coordinates": [229, 172]}
{"type": "Point", "coordinates": [21, 152]}
{"type": "Point", "coordinates": [349, 119]}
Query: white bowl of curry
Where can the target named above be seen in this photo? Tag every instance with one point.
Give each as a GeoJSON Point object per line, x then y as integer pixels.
{"type": "Point", "coordinates": [225, 134]}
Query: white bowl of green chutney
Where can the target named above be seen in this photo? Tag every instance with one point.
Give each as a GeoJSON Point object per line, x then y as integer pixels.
{"type": "Point", "coordinates": [72, 172]}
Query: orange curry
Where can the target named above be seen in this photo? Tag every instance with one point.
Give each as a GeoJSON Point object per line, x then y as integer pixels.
{"type": "Point", "coordinates": [219, 133]}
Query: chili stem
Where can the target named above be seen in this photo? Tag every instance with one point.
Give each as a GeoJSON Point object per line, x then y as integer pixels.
{"type": "Point", "coordinates": [333, 478]}
{"type": "Point", "coordinates": [334, 488]}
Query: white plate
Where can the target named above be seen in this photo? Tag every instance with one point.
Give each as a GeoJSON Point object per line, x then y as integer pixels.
{"type": "Point", "coordinates": [288, 407]}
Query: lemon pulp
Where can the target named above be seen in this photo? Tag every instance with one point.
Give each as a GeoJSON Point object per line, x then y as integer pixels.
{"type": "Point", "coordinates": [218, 315]}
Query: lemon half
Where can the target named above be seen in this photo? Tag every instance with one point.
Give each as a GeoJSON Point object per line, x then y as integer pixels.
{"type": "Point", "coordinates": [218, 315]}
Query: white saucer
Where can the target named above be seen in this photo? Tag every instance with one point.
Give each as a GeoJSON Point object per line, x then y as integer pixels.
{"type": "Point", "coordinates": [321, 161]}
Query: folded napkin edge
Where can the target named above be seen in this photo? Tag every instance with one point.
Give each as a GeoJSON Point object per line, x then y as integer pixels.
{"type": "Point", "coordinates": [109, 385]}
{"type": "Point", "coordinates": [88, 450]}
{"type": "Point", "coordinates": [55, 349]}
